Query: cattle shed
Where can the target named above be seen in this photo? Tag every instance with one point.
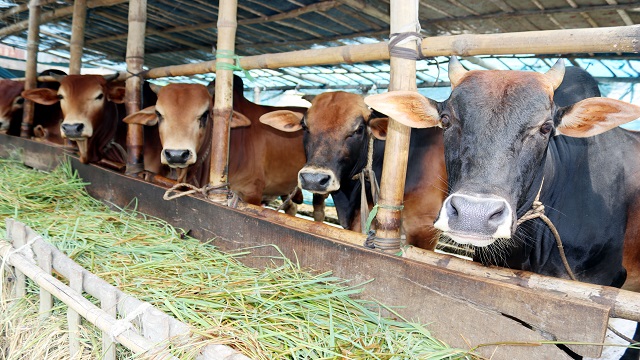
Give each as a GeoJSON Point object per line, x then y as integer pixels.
{"type": "Point", "coordinates": [316, 46]}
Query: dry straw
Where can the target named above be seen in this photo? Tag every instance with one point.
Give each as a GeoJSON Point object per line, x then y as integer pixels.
{"type": "Point", "coordinates": [281, 312]}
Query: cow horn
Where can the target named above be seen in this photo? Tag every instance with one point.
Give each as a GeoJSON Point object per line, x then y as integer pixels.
{"type": "Point", "coordinates": [155, 87]}
{"type": "Point", "coordinates": [556, 73]}
{"type": "Point", "coordinates": [57, 77]}
{"type": "Point", "coordinates": [111, 77]}
{"type": "Point", "coordinates": [456, 71]}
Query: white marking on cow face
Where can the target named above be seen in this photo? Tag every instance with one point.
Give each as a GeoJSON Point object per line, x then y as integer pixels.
{"type": "Point", "coordinates": [475, 220]}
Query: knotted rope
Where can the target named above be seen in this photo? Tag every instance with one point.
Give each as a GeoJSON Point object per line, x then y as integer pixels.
{"type": "Point", "coordinates": [232, 197]}
{"type": "Point", "coordinates": [537, 211]}
{"type": "Point", "coordinates": [288, 199]}
{"type": "Point", "coordinates": [367, 173]}
{"type": "Point", "coordinates": [125, 324]}
{"type": "Point", "coordinates": [228, 54]}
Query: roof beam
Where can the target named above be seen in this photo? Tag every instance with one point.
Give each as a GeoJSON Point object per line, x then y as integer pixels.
{"type": "Point", "coordinates": [368, 9]}
{"type": "Point", "coordinates": [22, 8]}
{"type": "Point", "coordinates": [54, 15]}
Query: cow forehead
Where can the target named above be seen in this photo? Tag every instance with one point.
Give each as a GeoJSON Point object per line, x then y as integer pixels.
{"type": "Point", "coordinates": [502, 95]}
{"type": "Point", "coordinates": [336, 112]}
{"type": "Point", "coordinates": [81, 86]}
{"type": "Point", "coordinates": [183, 100]}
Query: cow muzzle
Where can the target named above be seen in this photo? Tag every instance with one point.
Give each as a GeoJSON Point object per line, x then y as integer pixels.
{"type": "Point", "coordinates": [74, 131]}
{"type": "Point", "coordinates": [318, 180]}
{"type": "Point", "coordinates": [4, 124]}
{"type": "Point", "coordinates": [475, 220]}
{"type": "Point", "coordinates": [178, 158]}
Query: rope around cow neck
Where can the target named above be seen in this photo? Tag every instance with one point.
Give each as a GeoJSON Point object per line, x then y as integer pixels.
{"type": "Point", "coordinates": [537, 211]}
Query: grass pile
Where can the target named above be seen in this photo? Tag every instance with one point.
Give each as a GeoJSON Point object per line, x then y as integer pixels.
{"type": "Point", "coordinates": [281, 312]}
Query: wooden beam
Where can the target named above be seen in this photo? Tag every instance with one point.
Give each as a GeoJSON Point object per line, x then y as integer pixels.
{"type": "Point", "coordinates": [31, 71]}
{"type": "Point", "coordinates": [223, 102]}
{"type": "Point", "coordinates": [368, 9]}
{"type": "Point", "coordinates": [404, 17]}
{"type": "Point", "coordinates": [54, 15]}
{"type": "Point", "coordinates": [77, 36]}
{"type": "Point", "coordinates": [135, 60]}
{"type": "Point", "coordinates": [22, 8]}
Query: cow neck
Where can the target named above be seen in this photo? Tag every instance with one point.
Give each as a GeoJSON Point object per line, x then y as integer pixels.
{"type": "Point", "coordinates": [105, 134]}
{"type": "Point", "coordinates": [363, 155]}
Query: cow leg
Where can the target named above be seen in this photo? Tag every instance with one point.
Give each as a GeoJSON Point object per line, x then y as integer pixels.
{"type": "Point", "coordinates": [290, 208]}
{"type": "Point", "coordinates": [318, 207]}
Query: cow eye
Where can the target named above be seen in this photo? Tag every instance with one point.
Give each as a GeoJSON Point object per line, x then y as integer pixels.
{"type": "Point", "coordinates": [358, 131]}
{"type": "Point", "coordinates": [445, 121]}
{"type": "Point", "coordinates": [60, 97]}
{"type": "Point", "coordinates": [303, 125]}
{"type": "Point", "coordinates": [159, 116]}
{"type": "Point", "coordinates": [203, 118]}
{"type": "Point", "coordinates": [546, 128]}
{"type": "Point", "coordinates": [20, 101]}
{"type": "Point", "coordinates": [99, 97]}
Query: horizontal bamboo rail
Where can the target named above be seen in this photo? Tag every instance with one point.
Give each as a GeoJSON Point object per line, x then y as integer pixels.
{"type": "Point", "coordinates": [596, 40]}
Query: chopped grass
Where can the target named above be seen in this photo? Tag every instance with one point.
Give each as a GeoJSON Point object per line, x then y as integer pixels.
{"type": "Point", "coordinates": [281, 312]}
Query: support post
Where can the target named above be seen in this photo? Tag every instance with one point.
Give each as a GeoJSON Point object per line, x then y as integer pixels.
{"type": "Point", "coordinates": [109, 302]}
{"type": "Point", "coordinates": [73, 318]}
{"type": "Point", "coordinates": [135, 59]}
{"type": "Point", "coordinates": [31, 71]}
{"type": "Point", "coordinates": [223, 103]}
{"type": "Point", "coordinates": [46, 299]}
{"type": "Point", "coordinates": [404, 18]}
{"type": "Point", "coordinates": [77, 36]}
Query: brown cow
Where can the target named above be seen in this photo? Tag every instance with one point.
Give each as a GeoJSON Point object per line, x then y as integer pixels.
{"type": "Point", "coordinates": [46, 119]}
{"type": "Point", "coordinates": [263, 162]}
{"type": "Point", "coordinates": [91, 114]}
{"type": "Point", "coordinates": [337, 129]}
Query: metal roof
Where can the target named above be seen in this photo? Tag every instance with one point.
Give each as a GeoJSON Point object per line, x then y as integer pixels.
{"type": "Point", "coordinates": [184, 31]}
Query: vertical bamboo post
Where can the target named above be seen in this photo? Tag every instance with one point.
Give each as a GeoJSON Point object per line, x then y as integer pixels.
{"type": "Point", "coordinates": [223, 104]}
{"type": "Point", "coordinates": [45, 262]}
{"type": "Point", "coordinates": [18, 239]}
{"type": "Point", "coordinates": [77, 36]}
{"type": "Point", "coordinates": [31, 71]}
{"type": "Point", "coordinates": [135, 59]}
{"type": "Point", "coordinates": [404, 18]}
{"type": "Point", "coordinates": [109, 304]}
{"type": "Point", "coordinates": [73, 318]}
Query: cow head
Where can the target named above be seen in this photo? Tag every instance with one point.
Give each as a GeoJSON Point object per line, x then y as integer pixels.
{"type": "Point", "coordinates": [10, 101]}
{"type": "Point", "coordinates": [183, 116]}
{"type": "Point", "coordinates": [335, 136]}
{"type": "Point", "coordinates": [497, 125]}
{"type": "Point", "coordinates": [83, 99]}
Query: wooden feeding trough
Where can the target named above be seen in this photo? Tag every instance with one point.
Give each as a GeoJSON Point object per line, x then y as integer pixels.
{"type": "Point", "coordinates": [466, 304]}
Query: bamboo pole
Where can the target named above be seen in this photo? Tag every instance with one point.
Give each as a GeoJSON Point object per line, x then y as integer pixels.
{"type": "Point", "coordinates": [73, 318]}
{"type": "Point", "coordinates": [31, 71]}
{"type": "Point", "coordinates": [404, 18]}
{"type": "Point", "coordinates": [223, 103]}
{"type": "Point", "coordinates": [77, 36]}
{"type": "Point", "coordinates": [135, 59]}
{"type": "Point", "coordinates": [45, 263]}
{"type": "Point", "coordinates": [598, 40]}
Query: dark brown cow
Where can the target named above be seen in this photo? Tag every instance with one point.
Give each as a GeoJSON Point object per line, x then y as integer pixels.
{"type": "Point", "coordinates": [11, 104]}
{"type": "Point", "coordinates": [91, 114]}
{"type": "Point", "coordinates": [46, 119]}
{"type": "Point", "coordinates": [337, 128]}
{"type": "Point", "coordinates": [263, 162]}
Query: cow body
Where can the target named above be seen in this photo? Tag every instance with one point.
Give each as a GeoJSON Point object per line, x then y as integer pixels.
{"type": "Point", "coordinates": [338, 126]}
{"type": "Point", "coordinates": [263, 162]}
{"type": "Point", "coordinates": [92, 110]}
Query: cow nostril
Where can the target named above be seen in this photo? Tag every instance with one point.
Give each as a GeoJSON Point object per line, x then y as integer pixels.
{"type": "Point", "coordinates": [452, 210]}
{"type": "Point", "coordinates": [186, 154]}
{"type": "Point", "coordinates": [496, 215]}
{"type": "Point", "coordinates": [323, 180]}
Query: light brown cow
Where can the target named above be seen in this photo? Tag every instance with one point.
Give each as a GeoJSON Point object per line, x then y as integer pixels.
{"type": "Point", "coordinates": [263, 162]}
{"type": "Point", "coordinates": [337, 127]}
{"type": "Point", "coordinates": [91, 114]}
{"type": "Point", "coordinates": [11, 106]}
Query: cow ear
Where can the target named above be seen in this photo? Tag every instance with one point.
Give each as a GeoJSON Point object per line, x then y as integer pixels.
{"type": "Point", "coordinates": [146, 116]}
{"type": "Point", "coordinates": [378, 127]}
{"type": "Point", "coordinates": [239, 120]}
{"type": "Point", "coordinates": [594, 116]}
{"type": "Point", "coordinates": [406, 107]}
{"type": "Point", "coordinates": [42, 96]}
{"type": "Point", "coordinates": [283, 120]}
{"type": "Point", "coordinates": [116, 94]}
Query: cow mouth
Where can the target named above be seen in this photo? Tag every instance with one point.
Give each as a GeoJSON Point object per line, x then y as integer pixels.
{"type": "Point", "coordinates": [464, 238]}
